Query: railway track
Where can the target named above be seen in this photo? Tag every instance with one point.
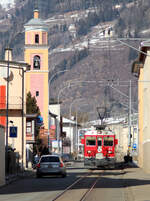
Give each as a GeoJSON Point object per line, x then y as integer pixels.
{"type": "Point", "coordinates": [81, 188]}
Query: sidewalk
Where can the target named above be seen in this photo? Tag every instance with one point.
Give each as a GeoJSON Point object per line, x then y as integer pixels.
{"type": "Point", "coordinates": [137, 184]}
{"type": "Point", "coordinates": [13, 177]}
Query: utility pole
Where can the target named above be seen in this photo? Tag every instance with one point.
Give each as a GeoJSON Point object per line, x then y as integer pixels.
{"type": "Point", "coordinates": [7, 51]}
{"type": "Point", "coordinates": [49, 88]}
{"type": "Point", "coordinates": [77, 131]}
{"type": "Point", "coordinates": [130, 105]}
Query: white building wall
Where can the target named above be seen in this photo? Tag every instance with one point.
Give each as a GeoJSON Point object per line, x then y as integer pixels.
{"type": "Point", "coordinates": [55, 109]}
{"type": "Point", "coordinates": [70, 132]}
{"type": "Point", "coordinates": [2, 156]}
{"type": "Point", "coordinates": [121, 133]}
{"type": "Point", "coordinates": [69, 127]}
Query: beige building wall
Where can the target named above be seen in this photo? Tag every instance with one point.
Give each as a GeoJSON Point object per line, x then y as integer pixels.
{"type": "Point", "coordinates": [15, 107]}
{"type": "Point", "coordinates": [18, 143]}
{"type": "Point", "coordinates": [2, 156]}
{"type": "Point", "coordinates": [146, 116]}
{"type": "Point", "coordinates": [142, 68]}
{"type": "Point", "coordinates": [140, 108]}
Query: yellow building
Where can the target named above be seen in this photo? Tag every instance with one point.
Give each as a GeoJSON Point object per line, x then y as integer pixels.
{"type": "Point", "coordinates": [36, 54]}
{"type": "Point", "coordinates": [141, 68]}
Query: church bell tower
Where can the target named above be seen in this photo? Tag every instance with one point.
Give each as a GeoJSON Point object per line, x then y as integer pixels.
{"type": "Point", "coordinates": [36, 54]}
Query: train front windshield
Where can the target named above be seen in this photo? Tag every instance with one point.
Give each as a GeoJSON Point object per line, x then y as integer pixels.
{"type": "Point", "coordinates": [91, 141]}
{"type": "Point", "coordinates": [99, 141]}
{"type": "Point", "coordinates": [108, 141]}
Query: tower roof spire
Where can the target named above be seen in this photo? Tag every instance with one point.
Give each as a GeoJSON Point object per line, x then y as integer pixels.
{"type": "Point", "coordinates": [36, 9]}
{"type": "Point", "coordinates": [36, 5]}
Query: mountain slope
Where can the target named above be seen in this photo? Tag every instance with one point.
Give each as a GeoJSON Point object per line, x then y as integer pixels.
{"type": "Point", "coordinates": [81, 39]}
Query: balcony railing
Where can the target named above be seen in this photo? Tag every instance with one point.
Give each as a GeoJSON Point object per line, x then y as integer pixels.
{"type": "Point", "coordinates": [14, 103]}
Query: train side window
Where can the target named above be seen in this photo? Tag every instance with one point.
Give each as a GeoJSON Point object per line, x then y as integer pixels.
{"type": "Point", "coordinates": [99, 141]}
{"type": "Point", "coordinates": [91, 141]}
{"type": "Point", "coordinates": [108, 141]}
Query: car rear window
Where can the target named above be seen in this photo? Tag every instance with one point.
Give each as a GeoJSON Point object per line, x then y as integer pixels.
{"type": "Point", "coordinates": [50, 159]}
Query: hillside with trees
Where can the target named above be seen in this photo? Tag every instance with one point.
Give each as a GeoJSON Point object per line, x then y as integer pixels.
{"type": "Point", "coordinates": [105, 61]}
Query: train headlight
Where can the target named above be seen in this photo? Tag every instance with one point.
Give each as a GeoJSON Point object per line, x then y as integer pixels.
{"type": "Point", "coordinates": [88, 151]}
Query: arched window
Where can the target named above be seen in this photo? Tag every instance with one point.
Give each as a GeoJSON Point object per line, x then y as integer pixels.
{"type": "Point", "coordinates": [36, 62]}
{"type": "Point", "coordinates": [37, 38]}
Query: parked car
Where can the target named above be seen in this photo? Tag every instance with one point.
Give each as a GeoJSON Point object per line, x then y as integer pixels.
{"type": "Point", "coordinates": [35, 161]}
{"type": "Point", "coordinates": [66, 157]}
{"type": "Point", "coordinates": [50, 165]}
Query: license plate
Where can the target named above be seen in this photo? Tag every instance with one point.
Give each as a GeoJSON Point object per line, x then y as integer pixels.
{"type": "Point", "coordinates": [54, 166]}
{"type": "Point", "coordinates": [45, 166]}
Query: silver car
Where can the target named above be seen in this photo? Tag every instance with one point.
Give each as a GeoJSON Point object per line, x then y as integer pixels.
{"type": "Point", "coordinates": [50, 165]}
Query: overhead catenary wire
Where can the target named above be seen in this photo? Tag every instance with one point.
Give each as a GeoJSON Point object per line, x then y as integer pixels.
{"type": "Point", "coordinates": [64, 18]}
{"type": "Point", "coordinates": [104, 22]}
{"type": "Point", "coordinates": [108, 40]}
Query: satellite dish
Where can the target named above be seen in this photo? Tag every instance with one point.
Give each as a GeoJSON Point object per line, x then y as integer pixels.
{"type": "Point", "coordinates": [10, 78]}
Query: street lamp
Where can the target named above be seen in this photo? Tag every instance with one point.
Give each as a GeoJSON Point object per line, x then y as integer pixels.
{"type": "Point", "coordinates": [79, 99]}
{"type": "Point", "coordinates": [7, 104]}
{"type": "Point", "coordinates": [70, 118]}
{"type": "Point", "coordinates": [76, 82]}
{"type": "Point", "coordinates": [77, 135]}
{"type": "Point", "coordinates": [130, 110]}
{"type": "Point", "coordinates": [69, 85]}
{"type": "Point", "coordinates": [60, 91]}
{"type": "Point", "coordinates": [80, 82]}
{"type": "Point", "coordinates": [58, 100]}
{"type": "Point", "coordinates": [49, 84]}
{"type": "Point", "coordinates": [52, 77]}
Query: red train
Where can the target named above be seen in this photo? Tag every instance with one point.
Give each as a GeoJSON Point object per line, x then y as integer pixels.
{"type": "Point", "coordinates": [99, 148]}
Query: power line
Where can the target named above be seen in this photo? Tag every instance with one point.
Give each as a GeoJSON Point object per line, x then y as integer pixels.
{"type": "Point", "coordinates": [133, 47]}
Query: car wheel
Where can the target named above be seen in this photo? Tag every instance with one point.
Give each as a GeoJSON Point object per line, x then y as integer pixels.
{"type": "Point", "coordinates": [64, 175]}
{"type": "Point", "coordinates": [38, 175]}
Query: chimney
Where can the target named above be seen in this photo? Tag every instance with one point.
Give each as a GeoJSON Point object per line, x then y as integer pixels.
{"type": "Point", "coordinates": [8, 54]}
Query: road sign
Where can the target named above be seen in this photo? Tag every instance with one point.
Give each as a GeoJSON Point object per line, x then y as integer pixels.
{"type": "Point", "coordinates": [134, 146]}
{"type": "Point", "coordinates": [13, 131]}
{"type": "Point", "coordinates": [39, 120]}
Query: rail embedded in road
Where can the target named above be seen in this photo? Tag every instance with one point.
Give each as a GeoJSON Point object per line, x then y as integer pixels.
{"type": "Point", "coordinates": [84, 185]}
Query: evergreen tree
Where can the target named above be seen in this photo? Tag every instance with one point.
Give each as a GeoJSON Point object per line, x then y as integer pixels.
{"type": "Point", "coordinates": [31, 104]}
{"type": "Point", "coordinates": [32, 108]}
